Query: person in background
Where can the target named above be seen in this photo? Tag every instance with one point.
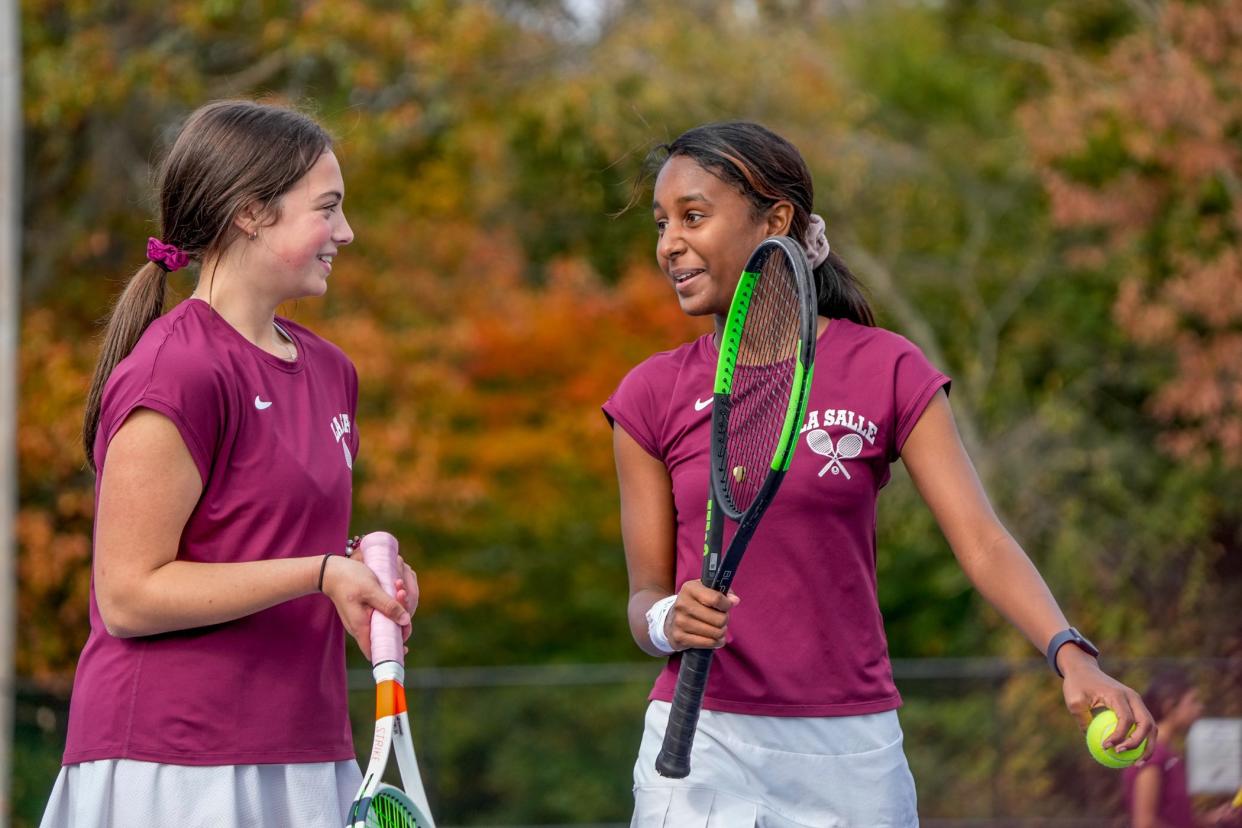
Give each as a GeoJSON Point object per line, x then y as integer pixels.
{"type": "Point", "coordinates": [1156, 793]}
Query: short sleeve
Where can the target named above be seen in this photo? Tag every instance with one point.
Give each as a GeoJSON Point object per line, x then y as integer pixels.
{"type": "Point", "coordinates": [915, 382]}
{"type": "Point", "coordinates": [184, 389]}
{"type": "Point", "coordinates": [634, 406]}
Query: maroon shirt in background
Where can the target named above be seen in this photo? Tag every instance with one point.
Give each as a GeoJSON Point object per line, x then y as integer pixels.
{"type": "Point", "coordinates": [1175, 807]}
{"type": "Point", "coordinates": [807, 638]}
{"type": "Point", "coordinates": [274, 443]}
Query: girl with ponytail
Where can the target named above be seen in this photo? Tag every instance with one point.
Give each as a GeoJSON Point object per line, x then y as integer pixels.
{"type": "Point", "coordinates": [211, 689]}
{"type": "Point", "coordinates": [799, 722]}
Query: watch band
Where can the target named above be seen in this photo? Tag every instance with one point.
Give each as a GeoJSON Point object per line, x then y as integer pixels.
{"type": "Point", "coordinates": [1069, 636]}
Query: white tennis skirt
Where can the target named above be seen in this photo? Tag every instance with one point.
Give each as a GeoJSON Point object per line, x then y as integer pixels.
{"type": "Point", "coordinates": [122, 793]}
{"type": "Point", "coordinates": [778, 772]}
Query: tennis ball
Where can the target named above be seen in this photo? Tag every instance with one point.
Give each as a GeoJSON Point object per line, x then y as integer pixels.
{"type": "Point", "coordinates": [1099, 729]}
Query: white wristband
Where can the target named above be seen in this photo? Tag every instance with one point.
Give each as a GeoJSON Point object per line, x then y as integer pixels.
{"type": "Point", "coordinates": [655, 623]}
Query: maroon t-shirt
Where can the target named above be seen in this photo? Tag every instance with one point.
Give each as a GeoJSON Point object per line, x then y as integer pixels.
{"type": "Point", "coordinates": [807, 638]}
{"type": "Point", "coordinates": [274, 443]}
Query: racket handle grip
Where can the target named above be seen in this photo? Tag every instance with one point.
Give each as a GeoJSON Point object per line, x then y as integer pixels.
{"type": "Point", "coordinates": [683, 718]}
{"type": "Point", "coordinates": [379, 553]}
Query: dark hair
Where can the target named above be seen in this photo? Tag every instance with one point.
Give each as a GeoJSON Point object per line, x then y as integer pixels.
{"type": "Point", "coordinates": [227, 155]}
{"type": "Point", "coordinates": [1165, 691]}
{"type": "Point", "coordinates": [765, 169]}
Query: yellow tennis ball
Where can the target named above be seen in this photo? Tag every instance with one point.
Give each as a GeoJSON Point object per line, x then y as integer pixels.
{"type": "Point", "coordinates": [1101, 726]}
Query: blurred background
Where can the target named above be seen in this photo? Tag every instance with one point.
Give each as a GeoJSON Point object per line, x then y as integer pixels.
{"type": "Point", "coordinates": [1045, 196]}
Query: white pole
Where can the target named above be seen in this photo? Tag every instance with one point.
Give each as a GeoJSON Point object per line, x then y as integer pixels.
{"type": "Point", "coordinates": [10, 259]}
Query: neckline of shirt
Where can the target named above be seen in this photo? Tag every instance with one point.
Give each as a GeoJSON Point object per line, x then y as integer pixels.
{"type": "Point", "coordinates": [289, 366]}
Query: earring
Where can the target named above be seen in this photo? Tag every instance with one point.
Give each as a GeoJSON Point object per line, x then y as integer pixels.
{"type": "Point", "coordinates": [254, 234]}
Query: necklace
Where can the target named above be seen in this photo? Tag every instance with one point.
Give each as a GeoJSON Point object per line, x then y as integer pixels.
{"type": "Point", "coordinates": [286, 341]}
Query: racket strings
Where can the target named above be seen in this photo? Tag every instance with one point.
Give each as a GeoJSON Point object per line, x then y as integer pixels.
{"type": "Point", "coordinates": [390, 810]}
{"type": "Point", "coordinates": [763, 379]}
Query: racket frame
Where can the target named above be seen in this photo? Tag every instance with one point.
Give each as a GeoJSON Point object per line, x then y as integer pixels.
{"type": "Point", "coordinates": [673, 760]}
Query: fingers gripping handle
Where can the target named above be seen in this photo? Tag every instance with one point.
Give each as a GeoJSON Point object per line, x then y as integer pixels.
{"type": "Point", "coordinates": [379, 552]}
{"type": "Point", "coordinates": [683, 719]}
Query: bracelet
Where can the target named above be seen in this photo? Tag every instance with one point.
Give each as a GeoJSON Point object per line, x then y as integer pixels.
{"type": "Point", "coordinates": [656, 617]}
{"type": "Point", "coordinates": [323, 567]}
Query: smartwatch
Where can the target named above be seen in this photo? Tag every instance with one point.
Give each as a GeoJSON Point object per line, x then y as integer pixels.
{"type": "Point", "coordinates": [1070, 636]}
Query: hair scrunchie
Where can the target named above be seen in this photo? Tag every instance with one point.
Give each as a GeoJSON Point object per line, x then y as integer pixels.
{"type": "Point", "coordinates": [816, 241]}
{"type": "Point", "coordinates": [169, 257]}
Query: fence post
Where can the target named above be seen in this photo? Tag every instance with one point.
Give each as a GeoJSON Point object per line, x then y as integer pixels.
{"type": "Point", "coordinates": [10, 258]}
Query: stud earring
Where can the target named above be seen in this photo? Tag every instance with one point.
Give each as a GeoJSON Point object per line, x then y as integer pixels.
{"type": "Point", "coordinates": [254, 234]}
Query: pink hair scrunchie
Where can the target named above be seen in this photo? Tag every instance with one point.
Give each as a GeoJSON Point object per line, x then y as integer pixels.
{"type": "Point", "coordinates": [816, 241]}
{"type": "Point", "coordinates": [168, 256]}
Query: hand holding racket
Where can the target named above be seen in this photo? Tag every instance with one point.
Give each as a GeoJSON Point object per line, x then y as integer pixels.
{"type": "Point", "coordinates": [355, 593]}
{"type": "Point", "coordinates": [699, 617]}
{"type": "Point", "coordinates": [378, 805]}
{"type": "Point", "coordinates": [763, 378]}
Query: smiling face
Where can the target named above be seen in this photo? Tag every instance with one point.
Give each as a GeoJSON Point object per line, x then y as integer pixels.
{"type": "Point", "coordinates": [297, 249]}
{"type": "Point", "coordinates": [707, 230]}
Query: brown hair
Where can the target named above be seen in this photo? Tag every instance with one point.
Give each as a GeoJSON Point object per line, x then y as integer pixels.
{"type": "Point", "coordinates": [1168, 688]}
{"type": "Point", "coordinates": [765, 169]}
{"type": "Point", "coordinates": [227, 155]}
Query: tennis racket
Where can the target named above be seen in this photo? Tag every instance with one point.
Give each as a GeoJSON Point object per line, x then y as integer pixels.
{"type": "Point", "coordinates": [763, 378]}
{"type": "Point", "coordinates": [378, 805]}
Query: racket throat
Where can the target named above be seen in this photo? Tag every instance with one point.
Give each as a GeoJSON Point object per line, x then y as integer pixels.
{"type": "Point", "coordinates": [722, 578]}
{"type": "Point", "coordinates": [713, 540]}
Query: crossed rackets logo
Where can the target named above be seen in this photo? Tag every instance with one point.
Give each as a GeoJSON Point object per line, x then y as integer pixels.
{"type": "Point", "coordinates": [847, 448]}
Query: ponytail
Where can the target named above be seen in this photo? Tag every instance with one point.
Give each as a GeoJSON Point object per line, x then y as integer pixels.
{"type": "Point", "coordinates": [840, 293]}
{"type": "Point", "coordinates": [139, 305]}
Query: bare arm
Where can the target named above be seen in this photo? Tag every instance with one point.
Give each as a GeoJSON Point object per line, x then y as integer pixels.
{"type": "Point", "coordinates": [1145, 811]}
{"type": "Point", "coordinates": [150, 486]}
{"type": "Point", "coordinates": [1002, 572]}
{"type": "Point", "coordinates": [648, 530]}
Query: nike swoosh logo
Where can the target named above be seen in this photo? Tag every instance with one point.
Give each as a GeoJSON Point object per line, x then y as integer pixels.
{"type": "Point", "coordinates": [261, 404]}
{"type": "Point", "coordinates": [699, 405]}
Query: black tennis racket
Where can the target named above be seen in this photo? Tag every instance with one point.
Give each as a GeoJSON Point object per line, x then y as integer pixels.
{"type": "Point", "coordinates": [763, 378]}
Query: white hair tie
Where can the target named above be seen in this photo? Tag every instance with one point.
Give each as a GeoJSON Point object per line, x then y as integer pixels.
{"type": "Point", "coordinates": [816, 241]}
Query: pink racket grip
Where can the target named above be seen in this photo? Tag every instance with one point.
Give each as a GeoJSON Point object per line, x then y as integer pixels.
{"type": "Point", "coordinates": [379, 552]}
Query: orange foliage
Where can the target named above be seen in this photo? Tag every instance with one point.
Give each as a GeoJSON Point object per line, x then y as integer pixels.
{"type": "Point", "coordinates": [53, 525]}
{"type": "Point", "coordinates": [496, 389]}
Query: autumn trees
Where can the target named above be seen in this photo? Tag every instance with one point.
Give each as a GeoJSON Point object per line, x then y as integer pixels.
{"type": "Point", "coordinates": [1045, 196]}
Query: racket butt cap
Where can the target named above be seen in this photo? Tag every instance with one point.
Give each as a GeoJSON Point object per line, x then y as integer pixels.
{"type": "Point", "coordinates": [672, 767]}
